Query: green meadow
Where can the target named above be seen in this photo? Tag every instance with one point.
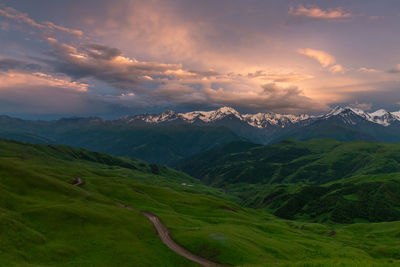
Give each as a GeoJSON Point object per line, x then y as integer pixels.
{"type": "Point", "coordinates": [46, 221]}
{"type": "Point", "coordinates": [319, 180]}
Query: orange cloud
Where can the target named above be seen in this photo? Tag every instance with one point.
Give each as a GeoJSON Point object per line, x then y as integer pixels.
{"type": "Point", "coordinates": [279, 77]}
{"type": "Point", "coordinates": [337, 69]}
{"type": "Point", "coordinates": [41, 93]}
{"type": "Point", "coordinates": [368, 70]}
{"type": "Point", "coordinates": [317, 13]}
{"type": "Point", "coordinates": [162, 83]}
{"type": "Point", "coordinates": [17, 79]}
{"type": "Point", "coordinates": [322, 57]}
{"type": "Point", "coordinates": [326, 60]}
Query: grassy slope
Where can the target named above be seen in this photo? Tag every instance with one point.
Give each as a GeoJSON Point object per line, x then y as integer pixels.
{"type": "Point", "coordinates": [316, 161]}
{"type": "Point", "coordinates": [160, 144]}
{"type": "Point", "coordinates": [316, 180]}
{"type": "Point", "coordinates": [44, 220]}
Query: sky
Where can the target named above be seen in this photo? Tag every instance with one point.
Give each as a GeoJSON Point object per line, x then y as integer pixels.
{"type": "Point", "coordinates": [114, 58]}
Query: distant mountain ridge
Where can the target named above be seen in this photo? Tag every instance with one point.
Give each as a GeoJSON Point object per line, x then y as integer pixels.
{"type": "Point", "coordinates": [258, 120]}
{"type": "Point", "coordinates": [265, 120]}
{"type": "Point", "coordinates": [381, 116]}
{"type": "Point", "coordinates": [168, 137]}
{"type": "Point", "coordinates": [340, 123]}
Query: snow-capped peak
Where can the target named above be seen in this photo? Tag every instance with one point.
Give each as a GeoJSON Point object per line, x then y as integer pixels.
{"type": "Point", "coordinates": [380, 116]}
{"type": "Point", "coordinates": [335, 111]}
{"type": "Point", "coordinates": [358, 111]}
{"type": "Point", "coordinates": [349, 115]}
{"type": "Point", "coordinates": [396, 114]}
{"type": "Point", "coordinates": [379, 113]}
{"type": "Point", "coordinates": [339, 110]}
{"type": "Point", "coordinates": [383, 117]}
{"type": "Point", "coordinates": [227, 110]}
{"type": "Point", "coordinates": [263, 120]}
{"type": "Point", "coordinates": [210, 116]}
{"type": "Point", "coordinates": [259, 120]}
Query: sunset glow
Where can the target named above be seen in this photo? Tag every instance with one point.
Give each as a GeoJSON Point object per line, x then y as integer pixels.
{"type": "Point", "coordinates": [258, 56]}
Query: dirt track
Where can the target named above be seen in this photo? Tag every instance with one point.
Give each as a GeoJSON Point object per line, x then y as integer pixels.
{"type": "Point", "coordinates": [163, 233]}
{"type": "Point", "coordinates": [165, 237]}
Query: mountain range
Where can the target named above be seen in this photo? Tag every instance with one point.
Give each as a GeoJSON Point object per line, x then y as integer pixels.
{"type": "Point", "coordinates": [266, 120]}
{"type": "Point", "coordinates": [169, 137]}
{"type": "Point", "coordinates": [340, 123]}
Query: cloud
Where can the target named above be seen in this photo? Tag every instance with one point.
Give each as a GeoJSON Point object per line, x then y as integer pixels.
{"type": "Point", "coordinates": [109, 65]}
{"type": "Point", "coordinates": [315, 12]}
{"type": "Point", "coordinates": [99, 51]}
{"type": "Point", "coordinates": [69, 67]}
{"type": "Point", "coordinates": [362, 106]}
{"type": "Point", "coordinates": [40, 93]}
{"type": "Point", "coordinates": [395, 69]}
{"type": "Point", "coordinates": [322, 57]}
{"type": "Point", "coordinates": [24, 79]}
{"type": "Point", "coordinates": [161, 84]}
{"type": "Point", "coordinates": [195, 34]}
{"type": "Point", "coordinates": [7, 64]}
{"type": "Point", "coordinates": [271, 97]}
{"type": "Point", "coordinates": [337, 69]}
{"type": "Point", "coordinates": [368, 70]}
{"type": "Point", "coordinates": [325, 59]}
{"type": "Point", "coordinates": [279, 77]}
{"type": "Point", "coordinates": [22, 18]}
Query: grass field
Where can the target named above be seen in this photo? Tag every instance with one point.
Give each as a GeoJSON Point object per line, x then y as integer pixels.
{"type": "Point", "coordinates": [45, 221]}
{"type": "Point", "coordinates": [316, 181]}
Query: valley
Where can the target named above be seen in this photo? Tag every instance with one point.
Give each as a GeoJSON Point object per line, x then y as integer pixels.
{"type": "Point", "coordinates": [177, 133]}
{"type": "Point", "coordinates": [318, 180]}
{"type": "Point", "coordinates": [169, 137]}
{"type": "Point", "coordinates": [45, 219]}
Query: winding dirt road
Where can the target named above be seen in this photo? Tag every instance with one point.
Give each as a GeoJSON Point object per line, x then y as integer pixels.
{"type": "Point", "coordinates": [163, 234]}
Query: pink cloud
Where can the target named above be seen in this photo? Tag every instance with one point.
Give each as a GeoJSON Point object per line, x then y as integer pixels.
{"type": "Point", "coordinates": [315, 12]}
{"type": "Point", "coordinates": [322, 57]}
{"type": "Point", "coordinates": [17, 78]}
{"type": "Point", "coordinates": [40, 93]}
{"type": "Point", "coordinates": [337, 69]}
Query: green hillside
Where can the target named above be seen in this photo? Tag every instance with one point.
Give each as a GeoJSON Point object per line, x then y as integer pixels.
{"type": "Point", "coordinates": [46, 221]}
{"type": "Point", "coordinates": [159, 144]}
{"type": "Point", "coordinates": [337, 128]}
{"type": "Point", "coordinates": [316, 180]}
